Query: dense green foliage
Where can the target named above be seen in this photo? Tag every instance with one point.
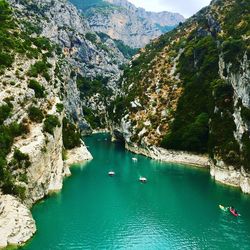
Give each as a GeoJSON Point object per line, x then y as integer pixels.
{"type": "Point", "coordinates": [222, 142]}
{"type": "Point", "coordinates": [194, 136]}
{"type": "Point", "coordinates": [91, 37]}
{"type": "Point", "coordinates": [233, 51]}
{"type": "Point", "coordinates": [13, 40]}
{"type": "Point", "coordinates": [42, 43]}
{"type": "Point", "coordinates": [71, 135]}
{"type": "Point", "coordinates": [94, 119]}
{"type": "Point", "coordinates": [35, 114]}
{"type": "Point", "coordinates": [5, 111]}
{"type": "Point", "coordinates": [237, 19]}
{"type": "Point", "coordinates": [20, 160]}
{"type": "Point", "coordinates": [7, 135]}
{"type": "Point", "coordinates": [6, 41]}
{"type": "Point", "coordinates": [189, 131]}
{"type": "Point", "coordinates": [59, 108]}
{"type": "Point", "coordinates": [127, 51]}
{"type": "Point", "coordinates": [89, 86]}
{"type": "Point", "coordinates": [203, 91]}
{"type": "Point", "coordinates": [245, 114]}
{"type": "Point", "coordinates": [38, 88]}
{"type": "Point", "coordinates": [50, 123]}
{"type": "Point", "coordinates": [245, 151]}
{"type": "Point", "coordinates": [40, 68]}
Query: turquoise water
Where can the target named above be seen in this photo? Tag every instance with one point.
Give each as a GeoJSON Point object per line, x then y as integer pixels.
{"type": "Point", "coordinates": [176, 209]}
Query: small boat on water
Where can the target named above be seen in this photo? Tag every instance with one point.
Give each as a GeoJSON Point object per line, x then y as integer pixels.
{"type": "Point", "coordinates": [223, 208]}
{"type": "Point", "coordinates": [230, 210]}
{"type": "Point", "coordinates": [143, 179]}
{"type": "Point", "coordinates": [234, 212]}
{"type": "Point", "coordinates": [111, 173]}
{"type": "Point", "coordinates": [134, 159]}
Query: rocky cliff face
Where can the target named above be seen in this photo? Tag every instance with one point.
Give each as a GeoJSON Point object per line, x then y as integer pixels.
{"type": "Point", "coordinates": [222, 171]}
{"type": "Point", "coordinates": [188, 90]}
{"type": "Point", "coordinates": [17, 224]}
{"type": "Point", "coordinates": [121, 20]}
{"type": "Point", "coordinates": [33, 127]}
{"type": "Point", "coordinates": [87, 57]}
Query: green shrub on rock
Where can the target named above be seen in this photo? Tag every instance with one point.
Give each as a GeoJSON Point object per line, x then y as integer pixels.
{"type": "Point", "coordinates": [38, 88]}
{"type": "Point", "coordinates": [59, 108]}
{"type": "Point", "coordinates": [50, 123]}
{"type": "Point", "coordinates": [245, 114]}
{"type": "Point", "coordinates": [5, 111]}
{"type": "Point", "coordinates": [71, 135]}
{"type": "Point", "coordinates": [20, 160]}
{"type": "Point", "coordinates": [91, 37]}
{"type": "Point", "coordinates": [39, 68]}
{"type": "Point", "coordinates": [35, 114]}
{"type": "Point", "coordinates": [6, 60]}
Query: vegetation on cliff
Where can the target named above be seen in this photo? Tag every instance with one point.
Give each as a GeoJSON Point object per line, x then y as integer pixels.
{"type": "Point", "coordinates": [71, 135]}
{"type": "Point", "coordinates": [25, 72]}
{"type": "Point", "coordinates": [190, 58]}
{"type": "Point", "coordinates": [10, 44]}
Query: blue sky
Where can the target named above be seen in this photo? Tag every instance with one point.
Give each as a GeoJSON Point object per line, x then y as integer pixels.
{"type": "Point", "coordinates": [184, 7]}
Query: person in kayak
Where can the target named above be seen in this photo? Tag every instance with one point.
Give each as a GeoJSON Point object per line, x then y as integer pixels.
{"type": "Point", "coordinates": [233, 210]}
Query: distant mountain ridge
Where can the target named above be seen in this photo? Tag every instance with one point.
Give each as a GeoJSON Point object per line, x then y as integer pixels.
{"type": "Point", "coordinates": [122, 20]}
{"type": "Point", "coordinates": [163, 18]}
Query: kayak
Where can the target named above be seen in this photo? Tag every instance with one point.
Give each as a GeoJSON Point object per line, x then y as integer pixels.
{"type": "Point", "coordinates": [233, 212]}
{"type": "Point", "coordinates": [223, 208]}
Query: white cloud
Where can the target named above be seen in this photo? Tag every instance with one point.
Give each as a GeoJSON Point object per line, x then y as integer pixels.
{"type": "Point", "coordinates": [184, 7]}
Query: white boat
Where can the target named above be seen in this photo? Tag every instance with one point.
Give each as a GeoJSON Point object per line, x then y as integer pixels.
{"type": "Point", "coordinates": [111, 173]}
{"type": "Point", "coordinates": [134, 159]}
{"type": "Point", "coordinates": [143, 179]}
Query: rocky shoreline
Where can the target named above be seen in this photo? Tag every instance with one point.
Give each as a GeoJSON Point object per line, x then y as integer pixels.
{"type": "Point", "coordinates": [229, 176]}
{"type": "Point", "coordinates": [16, 222]}
{"type": "Point", "coordinates": [220, 172]}
{"type": "Point", "coordinates": [172, 156]}
{"type": "Point", "coordinates": [78, 155]}
{"type": "Point", "coordinates": [17, 225]}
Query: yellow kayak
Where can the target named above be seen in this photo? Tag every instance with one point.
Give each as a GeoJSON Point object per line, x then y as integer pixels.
{"type": "Point", "coordinates": [223, 208]}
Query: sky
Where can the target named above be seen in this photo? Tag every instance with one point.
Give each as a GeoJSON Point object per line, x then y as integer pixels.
{"type": "Point", "coordinates": [185, 7]}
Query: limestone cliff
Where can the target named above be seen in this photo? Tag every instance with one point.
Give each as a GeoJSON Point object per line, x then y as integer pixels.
{"type": "Point", "coordinates": [16, 222]}
{"type": "Point", "coordinates": [34, 130]}
{"type": "Point", "coordinates": [121, 20]}
{"type": "Point", "coordinates": [88, 58]}
{"type": "Point", "coordinates": [189, 90]}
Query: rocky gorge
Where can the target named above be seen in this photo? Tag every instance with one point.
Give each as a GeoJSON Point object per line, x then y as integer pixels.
{"type": "Point", "coordinates": [189, 91]}
{"type": "Point", "coordinates": [184, 98]}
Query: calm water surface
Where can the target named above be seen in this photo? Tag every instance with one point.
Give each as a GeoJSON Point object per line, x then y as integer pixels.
{"type": "Point", "coordinates": [176, 209]}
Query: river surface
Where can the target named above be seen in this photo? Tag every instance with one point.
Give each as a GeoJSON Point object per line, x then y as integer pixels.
{"type": "Point", "coordinates": [176, 209]}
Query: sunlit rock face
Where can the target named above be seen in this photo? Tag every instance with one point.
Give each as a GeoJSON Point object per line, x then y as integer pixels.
{"type": "Point", "coordinates": [121, 20]}
{"type": "Point", "coordinates": [189, 90]}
